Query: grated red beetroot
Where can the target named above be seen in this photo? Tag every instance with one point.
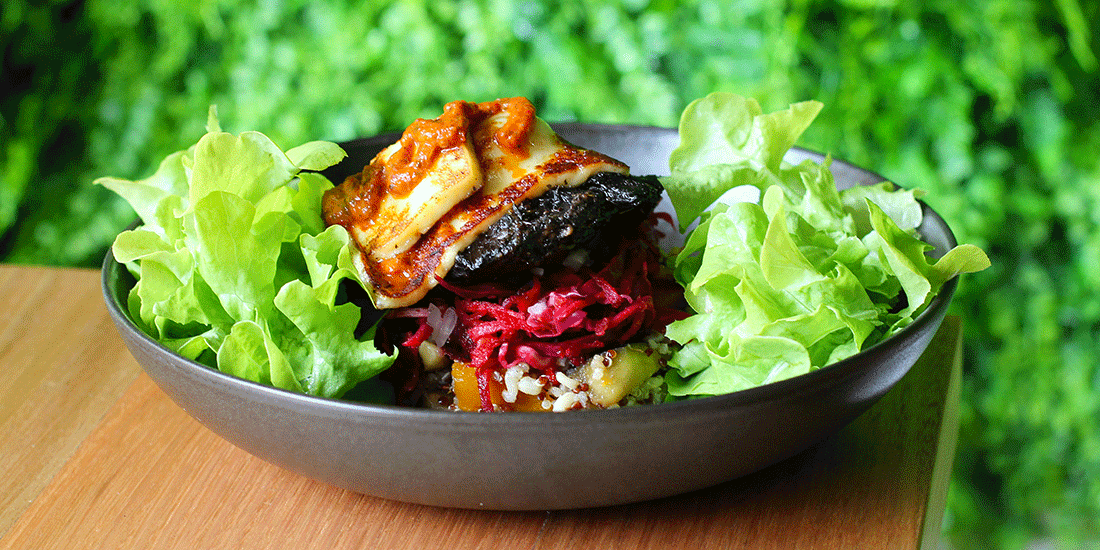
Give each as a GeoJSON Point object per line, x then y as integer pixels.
{"type": "Point", "coordinates": [559, 319]}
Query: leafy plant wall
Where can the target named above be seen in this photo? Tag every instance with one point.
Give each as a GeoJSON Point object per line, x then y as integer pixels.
{"type": "Point", "coordinates": [990, 106]}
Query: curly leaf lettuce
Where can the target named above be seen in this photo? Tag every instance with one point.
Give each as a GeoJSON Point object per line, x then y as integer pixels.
{"type": "Point", "coordinates": [236, 269]}
{"type": "Point", "coordinates": [803, 277]}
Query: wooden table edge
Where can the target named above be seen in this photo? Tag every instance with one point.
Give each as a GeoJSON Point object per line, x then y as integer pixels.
{"type": "Point", "coordinates": [932, 525]}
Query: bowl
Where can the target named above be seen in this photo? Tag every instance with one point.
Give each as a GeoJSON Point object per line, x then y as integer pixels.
{"type": "Point", "coordinates": [540, 461]}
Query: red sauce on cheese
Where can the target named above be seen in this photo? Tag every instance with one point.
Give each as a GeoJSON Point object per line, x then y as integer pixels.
{"type": "Point", "coordinates": [424, 140]}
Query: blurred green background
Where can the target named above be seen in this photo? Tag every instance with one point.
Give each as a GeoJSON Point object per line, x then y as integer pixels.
{"type": "Point", "coordinates": [990, 106]}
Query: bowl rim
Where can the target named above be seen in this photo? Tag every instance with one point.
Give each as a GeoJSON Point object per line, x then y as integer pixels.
{"type": "Point", "coordinates": [788, 388]}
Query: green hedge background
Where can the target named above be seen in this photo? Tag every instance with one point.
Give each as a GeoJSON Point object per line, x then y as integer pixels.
{"type": "Point", "coordinates": [991, 106]}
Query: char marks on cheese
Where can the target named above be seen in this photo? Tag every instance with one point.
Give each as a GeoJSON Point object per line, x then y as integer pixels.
{"type": "Point", "coordinates": [424, 199]}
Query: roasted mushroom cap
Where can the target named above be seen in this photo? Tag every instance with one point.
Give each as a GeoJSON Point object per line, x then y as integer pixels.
{"type": "Point", "coordinates": [592, 218]}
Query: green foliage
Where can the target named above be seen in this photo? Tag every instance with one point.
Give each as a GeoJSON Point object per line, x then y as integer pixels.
{"type": "Point", "coordinates": [990, 106]}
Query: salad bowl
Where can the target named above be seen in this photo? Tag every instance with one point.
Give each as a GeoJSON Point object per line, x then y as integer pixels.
{"type": "Point", "coordinates": [541, 461]}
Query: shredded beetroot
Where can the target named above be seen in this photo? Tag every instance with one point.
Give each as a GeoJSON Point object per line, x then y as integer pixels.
{"type": "Point", "coordinates": [483, 389]}
{"type": "Point", "coordinates": [423, 332]}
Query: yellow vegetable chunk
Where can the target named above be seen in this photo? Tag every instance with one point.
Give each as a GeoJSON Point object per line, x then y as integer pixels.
{"type": "Point", "coordinates": [468, 396]}
{"type": "Point", "coordinates": [613, 374]}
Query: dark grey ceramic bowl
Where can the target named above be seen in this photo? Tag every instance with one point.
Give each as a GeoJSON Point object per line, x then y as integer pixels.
{"type": "Point", "coordinates": [540, 461]}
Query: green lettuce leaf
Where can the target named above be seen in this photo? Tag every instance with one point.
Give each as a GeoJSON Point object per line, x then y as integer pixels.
{"type": "Point", "coordinates": [236, 269]}
{"type": "Point", "coordinates": [803, 277]}
{"type": "Point", "coordinates": [727, 141]}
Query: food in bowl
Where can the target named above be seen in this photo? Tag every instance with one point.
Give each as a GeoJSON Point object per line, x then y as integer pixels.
{"type": "Point", "coordinates": [797, 279]}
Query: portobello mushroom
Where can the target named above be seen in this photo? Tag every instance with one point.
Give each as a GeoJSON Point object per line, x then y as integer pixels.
{"type": "Point", "coordinates": [594, 216]}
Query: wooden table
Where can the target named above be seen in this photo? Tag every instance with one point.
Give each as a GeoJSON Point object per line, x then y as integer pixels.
{"type": "Point", "coordinates": [94, 455]}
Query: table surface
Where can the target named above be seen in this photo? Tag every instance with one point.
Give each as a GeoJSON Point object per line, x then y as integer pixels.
{"type": "Point", "coordinates": [94, 455]}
